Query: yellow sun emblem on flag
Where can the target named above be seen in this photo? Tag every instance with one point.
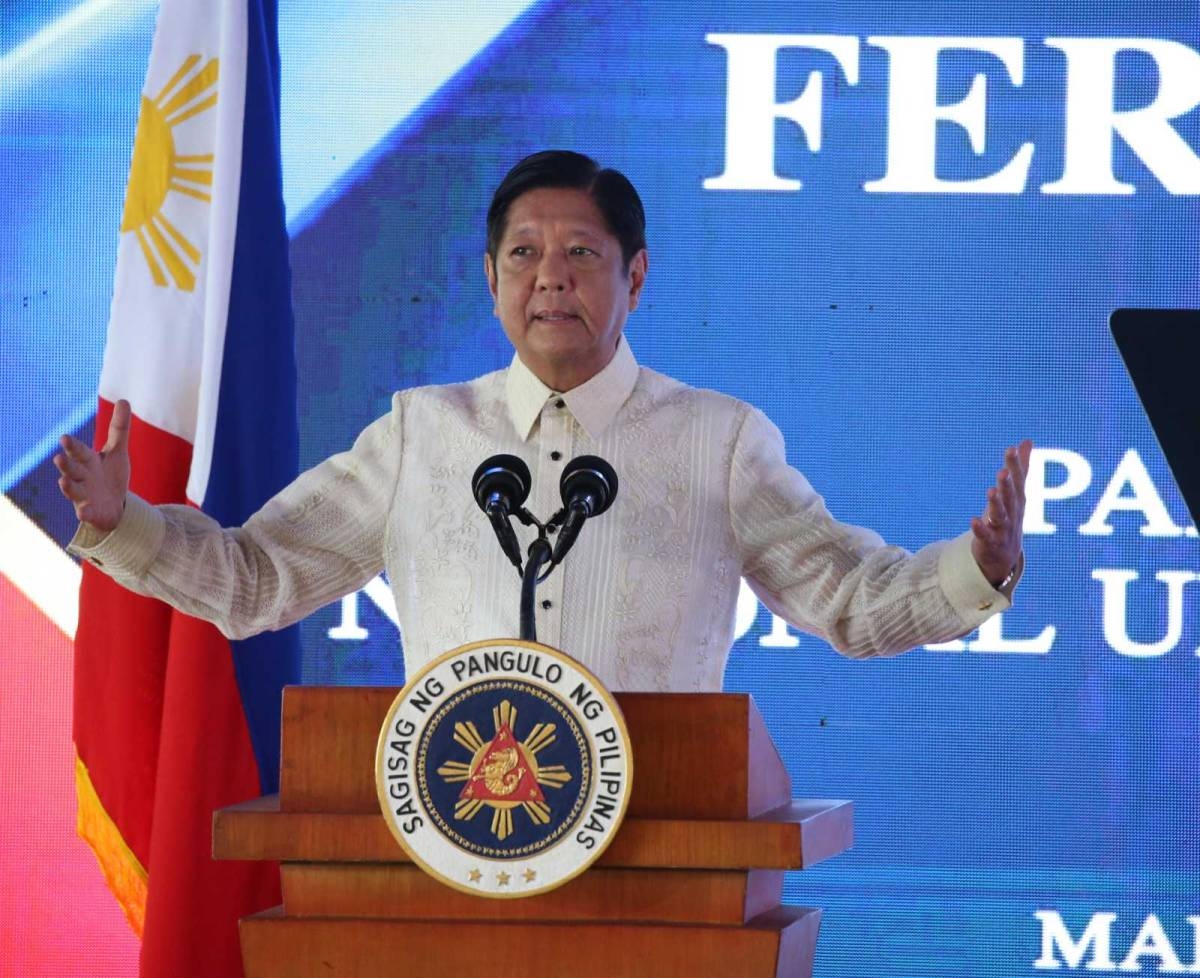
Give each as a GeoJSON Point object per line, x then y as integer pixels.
{"type": "Point", "coordinates": [157, 169]}
{"type": "Point", "coordinates": [503, 773]}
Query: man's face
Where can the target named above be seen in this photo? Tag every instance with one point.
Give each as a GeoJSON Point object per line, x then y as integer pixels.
{"type": "Point", "coordinates": [561, 289]}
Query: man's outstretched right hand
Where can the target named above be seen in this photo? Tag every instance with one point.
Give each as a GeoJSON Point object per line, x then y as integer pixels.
{"type": "Point", "coordinates": [96, 482]}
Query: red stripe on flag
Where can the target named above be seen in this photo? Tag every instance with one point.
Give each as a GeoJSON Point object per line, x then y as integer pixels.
{"type": "Point", "coordinates": [160, 728]}
{"type": "Point", "coordinates": [121, 656]}
{"type": "Point", "coordinates": [205, 762]}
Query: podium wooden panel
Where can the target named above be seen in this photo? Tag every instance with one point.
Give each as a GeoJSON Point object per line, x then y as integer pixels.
{"type": "Point", "coordinates": [713, 896]}
{"type": "Point", "coordinates": [780, 942]}
{"type": "Point", "coordinates": [690, 885]}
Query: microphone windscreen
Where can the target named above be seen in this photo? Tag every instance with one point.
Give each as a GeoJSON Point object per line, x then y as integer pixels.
{"type": "Point", "coordinates": [590, 476]}
{"type": "Point", "coordinates": [505, 474]}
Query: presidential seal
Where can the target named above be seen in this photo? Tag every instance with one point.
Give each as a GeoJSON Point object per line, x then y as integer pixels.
{"type": "Point", "coordinates": [503, 768]}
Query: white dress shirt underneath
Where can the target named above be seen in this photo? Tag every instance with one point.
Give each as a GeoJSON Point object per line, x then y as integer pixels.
{"type": "Point", "coordinates": [646, 598]}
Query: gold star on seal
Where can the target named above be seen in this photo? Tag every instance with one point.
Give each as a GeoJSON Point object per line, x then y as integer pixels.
{"type": "Point", "coordinates": [529, 875]}
{"type": "Point", "coordinates": [475, 876]}
{"type": "Point", "coordinates": [502, 879]}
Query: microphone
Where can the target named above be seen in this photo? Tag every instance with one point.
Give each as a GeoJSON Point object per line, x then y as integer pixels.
{"type": "Point", "coordinates": [588, 487]}
{"type": "Point", "coordinates": [501, 486]}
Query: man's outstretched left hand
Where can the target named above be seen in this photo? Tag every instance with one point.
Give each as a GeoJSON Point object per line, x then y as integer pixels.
{"type": "Point", "coordinates": [996, 542]}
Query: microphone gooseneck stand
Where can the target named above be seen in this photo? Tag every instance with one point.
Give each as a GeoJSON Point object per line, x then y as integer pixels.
{"type": "Point", "coordinates": [539, 554]}
{"type": "Point", "coordinates": [501, 484]}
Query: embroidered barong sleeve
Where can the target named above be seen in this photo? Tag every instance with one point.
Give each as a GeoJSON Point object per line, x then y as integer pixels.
{"type": "Point", "coordinates": [319, 538]}
{"type": "Point", "coordinates": [843, 582]}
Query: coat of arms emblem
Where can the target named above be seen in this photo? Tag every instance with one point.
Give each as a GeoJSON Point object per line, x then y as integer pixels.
{"type": "Point", "coordinates": [503, 768]}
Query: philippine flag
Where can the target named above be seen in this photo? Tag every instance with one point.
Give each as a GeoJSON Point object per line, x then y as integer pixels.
{"type": "Point", "coordinates": [171, 719]}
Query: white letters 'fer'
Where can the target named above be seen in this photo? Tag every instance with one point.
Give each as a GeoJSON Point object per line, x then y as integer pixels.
{"type": "Point", "coordinates": [1092, 120]}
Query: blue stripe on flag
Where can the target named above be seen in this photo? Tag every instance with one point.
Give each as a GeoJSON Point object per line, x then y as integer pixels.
{"type": "Point", "coordinates": [256, 443]}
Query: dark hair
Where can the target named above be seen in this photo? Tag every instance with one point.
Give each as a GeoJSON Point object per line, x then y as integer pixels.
{"type": "Point", "coordinates": [611, 190]}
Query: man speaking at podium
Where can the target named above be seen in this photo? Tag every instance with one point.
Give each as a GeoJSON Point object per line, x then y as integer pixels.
{"type": "Point", "coordinates": [647, 598]}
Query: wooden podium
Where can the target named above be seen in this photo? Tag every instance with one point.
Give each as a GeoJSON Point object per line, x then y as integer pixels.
{"type": "Point", "coordinates": [690, 885]}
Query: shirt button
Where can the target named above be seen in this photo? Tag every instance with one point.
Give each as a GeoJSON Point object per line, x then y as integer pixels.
{"type": "Point", "coordinates": [560, 403]}
{"type": "Point", "coordinates": [556, 455]}
{"type": "Point", "coordinates": [547, 604]}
